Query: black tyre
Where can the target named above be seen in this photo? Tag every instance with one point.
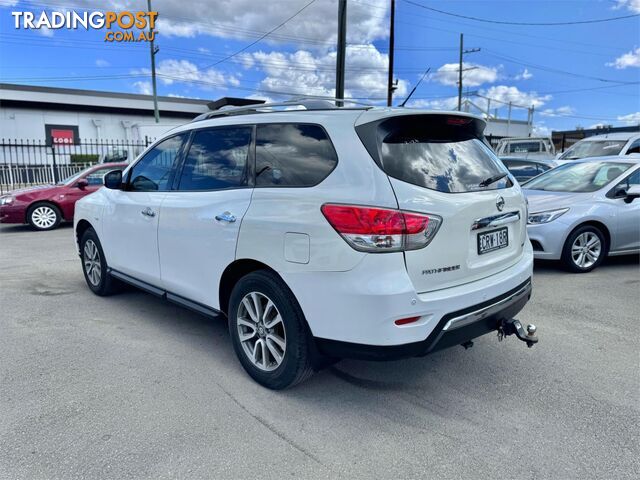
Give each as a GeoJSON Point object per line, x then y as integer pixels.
{"type": "Point", "coordinates": [269, 332]}
{"type": "Point", "coordinates": [44, 216]}
{"type": "Point", "coordinates": [94, 265]}
{"type": "Point", "coordinates": [585, 249]}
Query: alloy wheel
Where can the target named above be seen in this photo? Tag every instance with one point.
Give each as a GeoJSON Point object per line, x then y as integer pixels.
{"type": "Point", "coordinates": [91, 261]}
{"type": "Point", "coordinates": [261, 331]}
{"type": "Point", "coordinates": [44, 217]}
{"type": "Point", "coordinates": [586, 249]}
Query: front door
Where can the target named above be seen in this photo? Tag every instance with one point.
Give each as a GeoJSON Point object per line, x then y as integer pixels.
{"type": "Point", "coordinates": [130, 226]}
{"type": "Point", "coordinates": [200, 220]}
{"type": "Point", "coordinates": [627, 234]}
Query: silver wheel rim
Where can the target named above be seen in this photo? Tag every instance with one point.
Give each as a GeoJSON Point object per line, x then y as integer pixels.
{"type": "Point", "coordinates": [586, 249]}
{"type": "Point", "coordinates": [44, 217]}
{"type": "Point", "coordinates": [261, 331]}
{"type": "Point", "coordinates": [91, 259]}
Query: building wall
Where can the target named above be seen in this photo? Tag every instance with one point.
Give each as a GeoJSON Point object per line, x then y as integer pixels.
{"type": "Point", "coordinates": [29, 124]}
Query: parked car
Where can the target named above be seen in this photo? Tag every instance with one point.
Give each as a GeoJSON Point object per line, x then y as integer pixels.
{"type": "Point", "coordinates": [528, 147]}
{"type": "Point", "coordinates": [45, 206]}
{"type": "Point", "coordinates": [610, 144]}
{"type": "Point", "coordinates": [583, 211]}
{"type": "Point", "coordinates": [524, 169]}
{"type": "Point", "coordinates": [320, 233]}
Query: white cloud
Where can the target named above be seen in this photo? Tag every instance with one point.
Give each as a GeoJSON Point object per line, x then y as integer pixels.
{"type": "Point", "coordinates": [307, 73]}
{"type": "Point", "coordinates": [540, 129]}
{"type": "Point", "coordinates": [630, 119]}
{"type": "Point", "coordinates": [143, 87]}
{"type": "Point", "coordinates": [506, 94]}
{"type": "Point", "coordinates": [248, 19]}
{"type": "Point", "coordinates": [447, 74]}
{"type": "Point", "coordinates": [558, 112]}
{"type": "Point", "coordinates": [173, 71]}
{"type": "Point", "coordinates": [448, 103]}
{"type": "Point", "coordinates": [524, 75]}
{"type": "Point", "coordinates": [629, 59]}
{"type": "Point", "coordinates": [633, 5]}
{"type": "Point", "coordinates": [102, 63]}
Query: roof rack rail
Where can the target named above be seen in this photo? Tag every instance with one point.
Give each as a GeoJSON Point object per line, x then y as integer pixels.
{"type": "Point", "coordinates": [307, 103]}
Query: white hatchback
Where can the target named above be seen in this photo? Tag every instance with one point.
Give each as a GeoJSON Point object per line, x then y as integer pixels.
{"type": "Point", "coordinates": [320, 233]}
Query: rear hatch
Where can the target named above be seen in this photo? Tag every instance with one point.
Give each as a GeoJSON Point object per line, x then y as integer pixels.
{"type": "Point", "coordinates": [439, 164]}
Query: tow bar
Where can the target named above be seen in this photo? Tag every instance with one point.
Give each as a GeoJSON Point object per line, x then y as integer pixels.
{"type": "Point", "coordinates": [513, 326]}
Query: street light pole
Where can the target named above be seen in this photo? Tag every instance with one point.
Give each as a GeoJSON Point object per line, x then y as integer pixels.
{"type": "Point", "coordinates": [342, 51]}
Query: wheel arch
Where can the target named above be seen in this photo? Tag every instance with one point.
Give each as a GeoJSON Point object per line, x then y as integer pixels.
{"type": "Point", "coordinates": [233, 273]}
{"type": "Point", "coordinates": [597, 224]}
{"type": "Point", "coordinates": [81, 227]}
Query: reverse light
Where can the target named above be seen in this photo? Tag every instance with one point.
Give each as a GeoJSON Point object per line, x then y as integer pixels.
{"type": "Point", "coordinates": [546, 216]}
{"type": "Point", "coordinates": [371, 229]}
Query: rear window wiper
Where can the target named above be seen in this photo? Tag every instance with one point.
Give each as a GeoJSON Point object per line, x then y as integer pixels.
{"type": "Point", "coordinates": [488, 181]}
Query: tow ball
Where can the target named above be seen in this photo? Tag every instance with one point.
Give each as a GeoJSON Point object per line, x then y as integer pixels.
{"type": "Point", "coordinates": [514, 327]}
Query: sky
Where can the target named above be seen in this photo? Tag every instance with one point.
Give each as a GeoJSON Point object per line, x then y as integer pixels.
{"type": "Point", "coordinates": [574, 75]}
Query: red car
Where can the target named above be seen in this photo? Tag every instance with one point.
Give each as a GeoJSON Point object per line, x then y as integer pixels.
{"type": "Point", "coordinates": [45, 206]}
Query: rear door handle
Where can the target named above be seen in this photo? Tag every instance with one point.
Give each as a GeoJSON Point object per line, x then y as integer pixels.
{"type": "Point", "coordinates": [226, 217]}
{"type": "Point", "coordinates": [147, 212]}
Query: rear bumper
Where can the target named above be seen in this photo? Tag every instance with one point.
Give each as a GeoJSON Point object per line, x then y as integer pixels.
{"type": "Point", "coordinates": [453, 329]}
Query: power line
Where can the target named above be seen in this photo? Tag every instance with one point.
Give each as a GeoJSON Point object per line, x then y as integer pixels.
{"type": "Point", "coordinates": [550, 69]}
{"type": "Point", "coordinates": [263, 36]}
{"type": "Point", "coordinates": [538, 24]}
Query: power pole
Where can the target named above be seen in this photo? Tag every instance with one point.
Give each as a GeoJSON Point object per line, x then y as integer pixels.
{"type": "Point", "coordinates": [460, 69]}
{"type": "Point", "coordinates": [460, 73]}
{"type": "Point", "coordinates": [342, 50]}
{"type": "Point", "coordinates": [154, 50]}
{"type": "Point", "coordinates": [390, 85]}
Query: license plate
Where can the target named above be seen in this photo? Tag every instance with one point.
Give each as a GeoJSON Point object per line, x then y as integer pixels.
{"type": "Point", "coordinates": [493, 240]}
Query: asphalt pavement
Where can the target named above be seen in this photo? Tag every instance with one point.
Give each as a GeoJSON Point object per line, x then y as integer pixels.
{"type": "Point", "coordinates": [134, 387]}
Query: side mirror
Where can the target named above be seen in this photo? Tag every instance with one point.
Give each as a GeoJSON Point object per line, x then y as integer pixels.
{"type": "Point", "coordinates": [113, 180]}
{"type": "Point", "coordinates": [82, 183]}
{"type": "Point", "coordinates": [633, 192]}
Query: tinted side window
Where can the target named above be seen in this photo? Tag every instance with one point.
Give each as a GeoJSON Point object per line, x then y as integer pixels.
{"type": "Point", "coordinates": [95, 177]}
{"type": "Point", "coordinates": [634, 147]}
{"type": "Point", "coordinates": [155, 170]}
{"type": "Point", "coordinates": [217, 159]}
{"type": "Point", "coordinates": [521, 169]}
{"type": "Point", "coordinates": [293, 155]}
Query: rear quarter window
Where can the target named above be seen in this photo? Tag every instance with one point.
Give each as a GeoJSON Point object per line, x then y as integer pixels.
{"type": "Point", "coordinates": [293, 155]}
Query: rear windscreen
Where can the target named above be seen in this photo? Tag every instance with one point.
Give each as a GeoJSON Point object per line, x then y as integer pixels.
{"type": "Point", "coordinates": [439, 152]}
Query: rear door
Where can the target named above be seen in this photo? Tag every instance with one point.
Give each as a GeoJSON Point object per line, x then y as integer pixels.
{"type": "Point", "coordinates": [438, 164]}
{"type": "Point", "coordinates": [201, 217]}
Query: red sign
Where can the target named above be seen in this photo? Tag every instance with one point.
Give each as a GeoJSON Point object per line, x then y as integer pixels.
{"type": "Point", "coordinates": [59, 136]}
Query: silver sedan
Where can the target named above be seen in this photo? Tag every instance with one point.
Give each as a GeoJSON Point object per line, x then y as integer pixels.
{"type": "Point", "coordinates": [585, 210]}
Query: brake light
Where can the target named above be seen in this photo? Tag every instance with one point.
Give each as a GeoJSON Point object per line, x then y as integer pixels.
{"type": "Point", "coordinates": [371, 229]}
{"type": "Point", "coordinates": [458, 121]}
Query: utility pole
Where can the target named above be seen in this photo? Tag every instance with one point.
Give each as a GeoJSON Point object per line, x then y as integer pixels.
{"type": "Point", "coordinates": [342, 50]}
{"type": "Point", "coordinates": [460, 73]}
{"type": "Point", "coordinates": [390, 85]}
{"type": "Point", "coordinates": [154, 50]}
{"type": "Point", "coordinates": [460, 69]}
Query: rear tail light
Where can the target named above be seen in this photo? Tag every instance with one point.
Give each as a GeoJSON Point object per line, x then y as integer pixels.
{"type": "Point", "coordinates": [370, 229]}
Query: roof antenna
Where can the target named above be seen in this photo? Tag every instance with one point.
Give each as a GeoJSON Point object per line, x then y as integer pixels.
{"type": "Point", "coordinates": [414, 88]}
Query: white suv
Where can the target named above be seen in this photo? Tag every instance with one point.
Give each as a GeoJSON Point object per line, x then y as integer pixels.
{"type": "Point", "coordinates": [321, 233]}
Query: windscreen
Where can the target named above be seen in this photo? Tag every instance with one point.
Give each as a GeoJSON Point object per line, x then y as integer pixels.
{"type": "Point", "coordinates": [600, 148]}
{"type": "Point", "coordinates": [439, 152]}
{"type": "Point", "coordinates": [578, 177]}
